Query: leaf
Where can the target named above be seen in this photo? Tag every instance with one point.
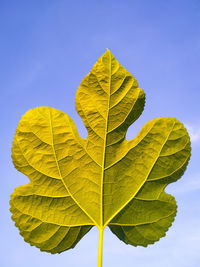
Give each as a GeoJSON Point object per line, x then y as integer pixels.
{"type": "Point", "coordinates": [103, 180]}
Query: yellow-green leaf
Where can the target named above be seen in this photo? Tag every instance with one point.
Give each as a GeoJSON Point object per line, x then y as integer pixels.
{"type": "Point", "coordinates": [103, 180]}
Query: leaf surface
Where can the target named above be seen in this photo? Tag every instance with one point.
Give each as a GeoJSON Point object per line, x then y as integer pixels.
{"type": "Point", "coordinates": [102, 180]}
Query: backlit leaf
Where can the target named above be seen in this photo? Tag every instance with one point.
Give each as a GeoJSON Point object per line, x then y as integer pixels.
{"type": "Point", "coordinates": [103, 180]}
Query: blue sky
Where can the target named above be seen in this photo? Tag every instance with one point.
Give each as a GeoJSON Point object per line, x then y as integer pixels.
{"type": "Point", "coordinates": [46, 48]}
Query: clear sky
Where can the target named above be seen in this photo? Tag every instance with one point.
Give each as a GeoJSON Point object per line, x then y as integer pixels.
{"type": "Point", "coordinates": [46, 48]}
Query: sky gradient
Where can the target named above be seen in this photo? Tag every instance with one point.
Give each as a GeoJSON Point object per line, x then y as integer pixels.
{"type": "Point", "coordinates": [46, 49]}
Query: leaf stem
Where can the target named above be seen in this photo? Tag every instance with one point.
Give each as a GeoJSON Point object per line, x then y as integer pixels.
{"type": "Point", "coordinates": [100, 249]}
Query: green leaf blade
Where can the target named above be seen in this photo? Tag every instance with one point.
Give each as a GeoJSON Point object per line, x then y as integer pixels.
{"type": "Point", "coordinates": [103, 180]}
{"type": "Point", "coordinates": [143, 160]}
{"type": "Point", "coordinates": [46, 200]}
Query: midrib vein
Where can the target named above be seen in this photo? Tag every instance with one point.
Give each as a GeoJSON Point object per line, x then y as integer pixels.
{"type": "Point", "coordinates": [104, 151]}
{"type": "Point", "coordinates": [52, 133]}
